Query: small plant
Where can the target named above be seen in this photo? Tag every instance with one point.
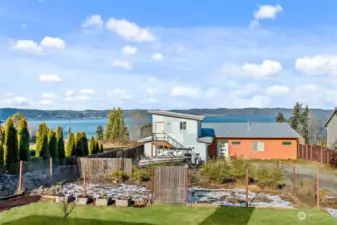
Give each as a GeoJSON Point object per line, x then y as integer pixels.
{"type": "Point", "coordinates": [119, 175]}
{"type": "Point", "coordinates": [66, 206]}
{"type": "Point", "coordinates": [307, 184]}
{"type": "Point", "coordinates": [301, 182]}
{"type": "Point", "coordinates": [141, 174]}
{"type": "Point", "coordinates": [322, 194]}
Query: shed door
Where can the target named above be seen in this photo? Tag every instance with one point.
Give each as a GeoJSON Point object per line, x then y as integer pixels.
{"type": "Point", "coordinates": [160, 130]}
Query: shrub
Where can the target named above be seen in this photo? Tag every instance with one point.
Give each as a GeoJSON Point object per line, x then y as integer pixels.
{"type": "Point", "coordinates": [216, 170]}
{"type": "Point", "coordinates": [268, 177]}
{"type": "Point", "coordinates": [141, 174]}
{"type": "Point", "coordinates": [301, 182]}
{"type": "Point", "coordinates": [323, 194]}
{"type": "Point", "coordinates": [119, 175]}
{"type": "Point", "coordinates": [238, 168]}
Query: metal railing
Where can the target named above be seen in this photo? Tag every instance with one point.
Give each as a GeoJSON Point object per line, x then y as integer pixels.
{"type": "Point", "coordinates": [167, 138]}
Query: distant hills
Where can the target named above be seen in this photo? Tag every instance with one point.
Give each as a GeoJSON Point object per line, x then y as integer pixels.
{"type": "Point", "coordinates": [320, 114]}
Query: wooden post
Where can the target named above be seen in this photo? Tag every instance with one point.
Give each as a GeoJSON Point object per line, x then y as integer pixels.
{"type": "Point", "coordinates": [321, 154]}
{"type": "Point", "coordinates": [311, 152]}
{"type": "Point", "coordinates": [293, 176]}
{"type": "Point", "coordinates": [84, 194]}
{"type": "Point", "coordinates": [246, 187]}
{"type": "Point", "coordinates": [152, 184]}
{"type": "Point", "coordinates": [20, 179]}
{"type": "Point", "coordinates": [327, 157]}
{"type": "Point", "coordinates": [317, 188]}
{"type": "Point", "coordinates": [277, 164]}
{"type": "Point", "coordinates": [306, 151]}
{"type": "Point", "coordinates": [51, 166]}
{"type": "Point", "coordinates": [187, 186]}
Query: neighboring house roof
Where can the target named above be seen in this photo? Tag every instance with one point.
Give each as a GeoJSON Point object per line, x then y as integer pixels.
{"type": "Point", "coordinates": [252, 130]}
{"type": "Point", "coordinates": [146, 139]}
{"type": "Point", "coordinates": [332, 115]}
{"type": "Point", "coordinates": [177, 115]}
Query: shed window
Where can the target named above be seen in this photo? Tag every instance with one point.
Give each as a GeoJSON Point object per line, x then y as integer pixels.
{"type": "Point", "coordinates": [236, 142]}
{"type": "Point", "coordinates": [182, 125]}
{"type": "Point", "coordinates": [258, 146]}
{"type": "Point", "coordinates": [286, 143]}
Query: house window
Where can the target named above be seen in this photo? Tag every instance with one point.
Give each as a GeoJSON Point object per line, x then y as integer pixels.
{"type": "Point", "coordinates": [288, 143]}
{"type": "Point", "coordinates": [182, 125]}
{"type": "Point", "coordinates": [258, 146]}
{"type": "Point", "coordinates": [236, 142]}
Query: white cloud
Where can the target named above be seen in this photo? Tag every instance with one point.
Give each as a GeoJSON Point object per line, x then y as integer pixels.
{"type": "Point", "coordinates": [157, 56]}
{"type": "Point", "coordinates": [93, 21]}
{"type": "Point", "coordinates": [69, 93]}
{"type": "Point", "coordinates": [53, 42]}
{"type": "Point", "coordinates": [317, 65]}
{"type": "Point", "coordinates": [9, 95]}
{"type": "Point", "coordinates": [122, 64]}
{"type": "Point", "coordinates": [268, 68]}
{"type": "Point", "coordinates": [49, 78]}
{"type": "Point", "coordinates": [259, 101]}
{"type": "Point", "coordinates": [78, 98]}
{"type": "Point", "coordinates": [189, 92]}
{"type": "Point", "coordinates": [27, 46]}
{"type": "Point", "coordinates": [49, 95]}
{"type": "Point", "coordinates": [46, 102]}
{"type": "Point", "coordinates": [276, 90]}
{"type": "Point", "coordinates": [265, 12]}
{"type": "Point", "coordinates": [130, 31]}
{"type": "Point", "coordinates": [17, 101]}
{"type": "Point", "coordinates": [128, 50]}
{"type": "Point", "coordinates": [87, 91]}
{"type": "Point", "coordinates": [153, 79]}
{"type": "Point", "coordinates": [120, 93]}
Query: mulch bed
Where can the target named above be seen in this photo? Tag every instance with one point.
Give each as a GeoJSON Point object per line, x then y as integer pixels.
{"type": "Point", "coordinates": [19, 200]}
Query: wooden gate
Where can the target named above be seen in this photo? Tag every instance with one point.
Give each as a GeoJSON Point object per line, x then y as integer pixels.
{"type": "Point", "coordinates": [170, 184]}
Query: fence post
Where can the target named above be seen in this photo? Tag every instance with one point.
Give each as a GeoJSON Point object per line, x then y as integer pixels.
{"type": "Point", "coordinates": [293, 176]}
{"type": "Point", "coordinates": [321, 154]}
{"type": "Point", "coordinates": [51, 166]}
{"type": "Point", "coordinates": [20, 178]}
{"type": "Point", "coordinates": [311, 152]}
{"type": "Point", "coordinates": [152, 184]}
{"type": "Point", "coordinates": [317, 188]}
{"type": "Point", "coordinates": [306, 151]}
{"type": "Point", "coordinates": [246, 187]}
{"type": "Point", "coordinates": [277, 164]}
{"type": "Point", "coordinates": [84, 194]}
{"type": "Point", "coordinates": [327, 157]}
{"type": "Point", "coordinates": [186, 186]}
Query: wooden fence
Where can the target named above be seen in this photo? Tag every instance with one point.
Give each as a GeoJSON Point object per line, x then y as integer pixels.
{"type": "Point", "coordinates": [132, 153]}
{"type": "Point", "coordinates": [170, 184]}
{"type": "Point", "coordinates": [314, 153]}
{"type": "Point", "coordinates": [97, 168]}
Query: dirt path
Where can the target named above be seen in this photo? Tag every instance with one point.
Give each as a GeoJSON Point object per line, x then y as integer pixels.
{"type": "Point", "coordinates": [307, 171]}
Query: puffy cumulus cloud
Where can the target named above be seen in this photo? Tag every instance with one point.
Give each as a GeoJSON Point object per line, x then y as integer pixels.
{"type": "Point", "coordinates": [69, 93]}
{"type": "Point", "coordinates": [78, 98]}
{"type": "Point", "coordinates": [53, 42]}
{"type": "Point", "coordinates": [268, 68]}
{"type": "Point", "coordinates": [46, 102]}
{"type": "Point", "coordinates": [87, 91]}
{"type": "Point", "coordinates": [189, 92]}
{"type": "Point", "coordinates": [259, 101]}
{"type": "Point", "coordinates": [122, 64]}
{"type": "Point", "coordinates": [277, 90]}
{"type": "Point", "coordinates": [49, 95]}
{"type": "Point", "coordinates": [151, 96]}
{"type": "Point", "coordinates": [157, 56]}
{"type": "Point", "coordinates": [130, 31]}
{"type": "Point", "coordinates": [27, 46]}
{"type": "Point", "coordinates": [50, 78]}
{"type": "Point", "coordinates": [18, 101]}
{"type": "Point", "coordinates": [120, 94]}
{"type": "Point", "coordinates": [317, 65]}
{"type": "Point", "coordinates": [128, 50]}
{"type": "Point", "coordinates": [265, 12]}
{"type": "Point", "coordinates": [93, 21]}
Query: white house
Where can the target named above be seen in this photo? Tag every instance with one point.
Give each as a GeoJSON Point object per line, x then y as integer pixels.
{"type": "Point", "coordinates": [176, 131]}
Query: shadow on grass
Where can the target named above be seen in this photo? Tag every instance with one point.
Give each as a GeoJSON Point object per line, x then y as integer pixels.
{"type": "Point", "coordinates": [43, 220]}
{"type": "Point", "coordinates": [229, 215]}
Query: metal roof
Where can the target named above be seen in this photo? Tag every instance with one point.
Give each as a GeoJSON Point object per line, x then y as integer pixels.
{"type": "Point", "coordinates": [252, 130]}
{"type": "Point", "coordinates": [177, 115]}
{"type": "Point", "coordinates": [332, 114]}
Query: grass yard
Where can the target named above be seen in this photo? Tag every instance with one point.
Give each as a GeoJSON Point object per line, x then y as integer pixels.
{"type": "Point", "coordinates": [50, 213]}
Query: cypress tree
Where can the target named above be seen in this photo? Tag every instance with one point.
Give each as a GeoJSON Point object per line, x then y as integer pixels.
{"type": "Point", "coordinates": [11, 150]}
{"type": "Point", "coordinates": [99, 133]}
{"type": "Point", "coordinates": [60, 142]}
{"type": "Point", "coordinates": [2, 139]}
{"type": "Point", "coordinates": [92, 146]}
{"type": "Point", "coordinates": [96, 147]}
{"type": "Point", "coordinates": [23, 140]}
{"type": "Point", "coordinates": [52, 144]}
{"type": "Point", "coordinates": [101, 148]}
{"type": "Point", "coordinates": [70, 145]}
{"type": "Point", "coordinates": [84, 143]}
{"type": "Point", "coordinates": [42, 149]}
{"type": "Point", "coordinates": [115, 129]}
{"type": "Point", "coordinates": [78, 144]}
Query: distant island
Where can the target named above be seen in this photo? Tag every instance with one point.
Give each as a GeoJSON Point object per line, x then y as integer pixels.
{"type": "Point", "coordinates": [37, 114]}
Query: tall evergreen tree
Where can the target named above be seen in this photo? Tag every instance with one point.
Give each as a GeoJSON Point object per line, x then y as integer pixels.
{"type": "Point", "coordinates": [52, 144]}
{"type": "Point", "coordinates": [84, 143]}
{"type": "Point", "coordinates": [78, 144]}
{"type": "Point", "coordinates": [11, 150]}
{"type": "Point", "coordinates": [23, 140]}
{"type": "Point", "coordinates": [101, 147]}
{"type": "Point", "coordinates": [115, 128]}
{"type": "Point", "coordinates": [304, 120]}
{"type": "Point", "coordinates": [17, 118]}
{"type": "Point", "coordinates": [2, 139]}
{"type": "Point", "coordinates": [99, 133]}
{"type": "Point", "coordinates": [70, 145]}
{"type": "Point", "coordinates": [60, 142]}
{"type": "Point", "coordinates": [96, 147]}
{"type": "Point", "coordinates": [42, 148]}
{"type": "Point", "coordinates": [280, 118]}
{"type": "Point", "coordinates": [92, 146]}
{"type": "Point", "coordinates": [295, 119]}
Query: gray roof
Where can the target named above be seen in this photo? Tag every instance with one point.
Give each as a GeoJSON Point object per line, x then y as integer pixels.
{"type": "Point", "coordinates": [177, 115]}
{"type": "Point", "coordinates": [252, 130]}
{"type": "Point", "coordinates": [332, 114]}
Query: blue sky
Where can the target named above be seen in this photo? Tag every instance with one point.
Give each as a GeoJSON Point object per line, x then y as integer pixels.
{"type": "Point", "coordinates": [61, 54]}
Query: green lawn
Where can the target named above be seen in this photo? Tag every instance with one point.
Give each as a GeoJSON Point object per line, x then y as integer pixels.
{"type": "Point", "coordinates": [49, 213]}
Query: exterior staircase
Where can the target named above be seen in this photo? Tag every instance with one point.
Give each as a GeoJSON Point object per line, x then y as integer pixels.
{"type": "Point", "coordinates": [164, 140]}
